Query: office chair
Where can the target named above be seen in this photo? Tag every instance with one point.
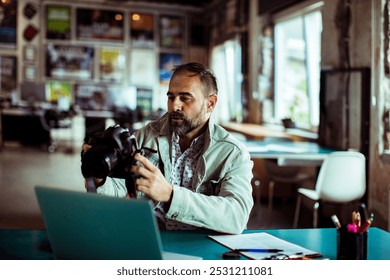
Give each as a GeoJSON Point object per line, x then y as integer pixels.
{"type": "Point", "coordinates": [293, 175]}
{"type": "Point", "coordinates": [341, 180]}
{"type": "Point", "coordinates": [53, 119]}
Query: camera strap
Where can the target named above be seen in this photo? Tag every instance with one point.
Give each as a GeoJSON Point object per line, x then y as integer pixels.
{"type": "Point", "coordinates": [130, 186]}
{"type": "Point", "coordinates": [91, 187]}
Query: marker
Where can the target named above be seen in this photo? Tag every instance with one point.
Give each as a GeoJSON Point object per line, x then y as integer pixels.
{"type": "Point", "coordinates": [352, 228]}
{"type": "Point", "coordinates": [372, 217]}
{"type": "Point", "coordinates": [260, 250]}
{"type": "Point", "coordinates": [365, 226]}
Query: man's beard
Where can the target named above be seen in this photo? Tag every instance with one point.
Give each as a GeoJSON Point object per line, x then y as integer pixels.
{"type": "Point", "coordinates": [186, 125]}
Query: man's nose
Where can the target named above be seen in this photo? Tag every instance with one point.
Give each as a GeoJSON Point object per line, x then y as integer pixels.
{"type": "Point", "coordinates": [177, 104]}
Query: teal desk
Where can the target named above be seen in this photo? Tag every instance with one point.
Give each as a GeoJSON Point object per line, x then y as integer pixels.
{"type": "Point", "coordinates": [34, 245]}
{"type": "Point", "coordinates": [289, 153]}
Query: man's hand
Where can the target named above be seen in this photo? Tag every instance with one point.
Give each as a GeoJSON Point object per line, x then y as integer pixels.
{"type": "Point", "coordinates": [152, 182]}
{"type": "Point", "coordinates": [85, 147]}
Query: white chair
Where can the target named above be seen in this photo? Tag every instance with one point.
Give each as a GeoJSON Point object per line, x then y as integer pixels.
{"type": "Point", "coordinates": [342, 179]}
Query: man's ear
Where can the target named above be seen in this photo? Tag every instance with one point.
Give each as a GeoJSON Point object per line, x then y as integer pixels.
{"type": "Point", "coordinates": [212, 101]}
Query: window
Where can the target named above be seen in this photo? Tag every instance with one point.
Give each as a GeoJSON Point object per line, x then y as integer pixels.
{"type": "Point", "coordinates": [226, 65]}
{"type": "Point", "coordinates": [297, 68]}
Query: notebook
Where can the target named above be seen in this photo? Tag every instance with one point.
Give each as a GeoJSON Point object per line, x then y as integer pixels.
{"type": "Point", "coordinates": [91, 226]}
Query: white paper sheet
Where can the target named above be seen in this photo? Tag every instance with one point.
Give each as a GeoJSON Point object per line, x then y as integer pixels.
{"type": "Point", "coordinates": [261, 240]}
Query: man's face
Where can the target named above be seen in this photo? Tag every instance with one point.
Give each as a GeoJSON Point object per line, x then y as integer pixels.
{"type": "Point", "coordinates": [188, 107]}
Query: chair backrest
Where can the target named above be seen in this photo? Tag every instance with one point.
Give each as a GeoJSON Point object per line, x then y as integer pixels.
{"type": "Point", "coordinates": [342, 177]}
{"type": "Point", "coordinates": [271, 166]}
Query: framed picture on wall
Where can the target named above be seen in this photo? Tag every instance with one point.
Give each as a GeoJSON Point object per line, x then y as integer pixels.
{"type": "Point", "coordinates": [98, 24]}
{"type": "Point", "coordinates": [143, 63]}
{"type": "Point", "coordinates": [58, 22]}
{"type": "Point", "coordinates": [8, 23]}
{"type": "Point", "coordinates": [167, 62]}
{"type": "Point", "coordinates": [142, 30]}
{"type": "Point", "coordinates": [112, 64]}
{"type": "Point", "coordinates": [58, 91]}
{"type": "Point", "coordinates": [29, 53]}
{"type": "Point", "coordinates": [69, 62]}
{"type": "Point", "coordinates": [30, 72]}
{"type": "Point", "coordinates": [171, 31]}
{"type": "Point", "coordinates": [8, 74]}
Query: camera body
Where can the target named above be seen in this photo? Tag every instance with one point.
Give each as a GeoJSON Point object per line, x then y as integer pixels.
{"type": "Point", "coordinates": [111, 154]}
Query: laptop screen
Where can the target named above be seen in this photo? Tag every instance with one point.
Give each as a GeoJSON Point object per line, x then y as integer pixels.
{"type": "Point", "coordinates": [91, 226]}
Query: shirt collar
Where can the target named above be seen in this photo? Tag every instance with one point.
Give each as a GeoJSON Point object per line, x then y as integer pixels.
{"type": "Point", "coordinates": [176, 139]}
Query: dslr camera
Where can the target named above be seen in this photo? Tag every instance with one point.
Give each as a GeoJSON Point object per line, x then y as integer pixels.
{"type": "Point", "coordinates": [111, 154]}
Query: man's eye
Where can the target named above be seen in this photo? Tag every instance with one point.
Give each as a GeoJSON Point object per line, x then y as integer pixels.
{"type": "Point", "coordinates": [185, 98]}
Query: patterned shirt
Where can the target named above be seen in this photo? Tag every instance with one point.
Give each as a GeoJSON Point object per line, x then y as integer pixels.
{"type": "Point", "coordinates": [183, 166]}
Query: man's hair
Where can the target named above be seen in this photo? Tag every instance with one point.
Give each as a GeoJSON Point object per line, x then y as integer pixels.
{"type": "Point", "coordinates": [207, 78]}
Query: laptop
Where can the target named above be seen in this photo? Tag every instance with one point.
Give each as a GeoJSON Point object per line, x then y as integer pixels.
{"type": "Point", "coordinates": [91, 226]}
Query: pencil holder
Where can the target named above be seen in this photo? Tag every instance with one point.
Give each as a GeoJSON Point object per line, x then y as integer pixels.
{"type": "Point", "coordinates": [351, 245]}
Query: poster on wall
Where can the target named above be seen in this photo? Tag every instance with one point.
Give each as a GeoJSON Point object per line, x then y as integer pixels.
{"type": "Point", "coordinates": [142, 30]}
{"type": "Point", "coordinates": [58, 25]}
{"type": "Point", "coordinates": [167, 62]}
{"type": "Point", "coordinates": [69, 62]}
{"type": "Point", "coordinates": [59, 92]}
{"type": "Point", "coordinates": [8, 23]}
{"type": "Point", "coordinates": [8, 75]}
{"type": "Point", "coordinates": [171, 32]}
{"type": "Point", "coordinates": [96, 24]}
{"type": "Point", "coordinates": [143, 67]}
{"type": "Point", "coordinates": [112, 65]}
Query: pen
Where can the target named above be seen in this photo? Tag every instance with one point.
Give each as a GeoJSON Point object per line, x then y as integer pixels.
{"type": "Point", "coordinates": [336, 221]}
{"type": "Point", "coordinates": [260, 250]}
{"type": "Point", "coordinates": [357, 219]}
{"type": "Point", "coordinates": [363, 211]}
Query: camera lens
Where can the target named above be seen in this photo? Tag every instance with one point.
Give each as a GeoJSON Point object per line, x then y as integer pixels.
{"type": "Point", "coordinates": [98, 164]}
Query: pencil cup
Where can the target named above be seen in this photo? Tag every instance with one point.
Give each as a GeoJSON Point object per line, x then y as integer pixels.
{"type": "Point", "coordinates": [350, 245]}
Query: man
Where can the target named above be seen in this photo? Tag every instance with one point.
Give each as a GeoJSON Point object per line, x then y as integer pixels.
{"type": "Point", "coordinates": [200, 176]}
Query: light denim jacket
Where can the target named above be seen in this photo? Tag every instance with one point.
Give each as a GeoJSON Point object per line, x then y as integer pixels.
{"type": "Point", "coordinates": [221, 196]}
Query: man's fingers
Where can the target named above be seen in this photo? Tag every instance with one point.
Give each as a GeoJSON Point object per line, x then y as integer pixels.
{"type": "Point", "coordinates": [86, 147]}
{"type": "Point", "coordinates": [145, 162]}
{"type": "Point", "coordinates": [141, 171]}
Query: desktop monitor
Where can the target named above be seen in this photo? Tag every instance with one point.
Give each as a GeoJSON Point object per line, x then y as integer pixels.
{"type": "Point", "coordinates": [33, 92]}
{"type": "Point", "coordinates": [91, 97]}
{"type": "Point", "coordinates": [100, 97]}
